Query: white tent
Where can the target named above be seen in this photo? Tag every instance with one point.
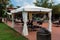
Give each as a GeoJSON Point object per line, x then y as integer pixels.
{"type": "Point", "coordinates": [25, 10]}
{"type": "Point", "coordinates": [31, 8]}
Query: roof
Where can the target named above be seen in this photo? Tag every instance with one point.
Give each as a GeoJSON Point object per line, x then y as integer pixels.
{"type": "Point", "coordinates": [31, 8]}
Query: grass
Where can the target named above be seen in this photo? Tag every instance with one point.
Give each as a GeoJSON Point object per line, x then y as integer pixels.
{"type": "Point", "coordinates": [6, 33]}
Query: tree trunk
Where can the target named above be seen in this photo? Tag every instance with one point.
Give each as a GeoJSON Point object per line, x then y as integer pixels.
{"type": "Point", "coordinates": [0, 19]}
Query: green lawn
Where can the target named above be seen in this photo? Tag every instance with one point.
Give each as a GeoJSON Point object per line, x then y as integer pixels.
{"type": "Point", "coordinates": [7, 33]}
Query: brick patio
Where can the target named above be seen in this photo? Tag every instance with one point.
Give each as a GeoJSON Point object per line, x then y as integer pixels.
{"type": "Point", "coordinates": [55, 35]}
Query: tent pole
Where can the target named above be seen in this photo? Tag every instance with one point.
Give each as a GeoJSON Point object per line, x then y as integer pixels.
{"type": "Point", "coordinates": [12, 20]}
{"type": "Point", "coordinates": [50, 21]}
{"type": "Point", "coordinates": [25, 28]}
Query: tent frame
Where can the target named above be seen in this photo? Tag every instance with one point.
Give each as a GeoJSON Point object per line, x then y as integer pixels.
{"type": "Point", "coordinates": [25, 14]}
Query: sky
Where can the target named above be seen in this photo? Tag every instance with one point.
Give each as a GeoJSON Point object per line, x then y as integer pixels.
{"type": "Point", "coordinates": [22, 2]}
{"type": "Point", "coordinates": [56, 1]}
{"type": "Point", "coordinates": [27, 2]}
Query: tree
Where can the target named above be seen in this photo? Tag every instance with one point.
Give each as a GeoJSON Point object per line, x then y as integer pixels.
{"type": "Point", "coordinates": [3, 4]}
{"type": "Point", "coordinates": [18, 6]}
{"type": "Point", "coordinates": [11, 5]}
{"type": "Point", "coordinates": [43, 3]}
{"type": "Point", "coordinates": [56, 9]}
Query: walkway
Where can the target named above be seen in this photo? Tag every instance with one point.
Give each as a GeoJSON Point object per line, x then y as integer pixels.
{"type": "Point", "coordinates": [32, 34]}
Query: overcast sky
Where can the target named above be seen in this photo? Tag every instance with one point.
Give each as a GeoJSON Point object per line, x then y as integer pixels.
{"type": "Point", "coordinates": [26, 2]}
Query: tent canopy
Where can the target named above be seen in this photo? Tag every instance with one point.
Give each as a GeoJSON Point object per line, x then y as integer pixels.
{"type": "Point", "coordinates": [31, 8]}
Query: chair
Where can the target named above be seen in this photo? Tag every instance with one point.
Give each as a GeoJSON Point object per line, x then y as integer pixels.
{"type": "Point", "coordinates": [57, 23]}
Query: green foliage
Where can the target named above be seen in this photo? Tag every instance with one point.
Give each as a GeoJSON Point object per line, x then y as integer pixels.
{"type": "Point", "coordinates": [11, 5]}
{"type": "Point", "coordinates": [18, 6]}
{"type": "Point", "coordinates": [56, 9]}
{"type": "Point", "coordinates": [46, 4]}
{"type": "Point", "coordinates": [43, 3]}
{"type": "Point", "coordinates": [3, 4]}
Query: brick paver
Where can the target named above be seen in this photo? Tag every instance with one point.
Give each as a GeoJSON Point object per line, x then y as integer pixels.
{"type": "Point", "coordinates": [55, 34]}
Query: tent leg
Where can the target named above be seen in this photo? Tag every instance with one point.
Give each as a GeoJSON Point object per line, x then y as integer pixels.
{"type": "Point", "coordinates": [12, 20]}
{"type": "Point", "coordinates": [25, 28]}
{"type": "Point", "coordinates": [50, 22]}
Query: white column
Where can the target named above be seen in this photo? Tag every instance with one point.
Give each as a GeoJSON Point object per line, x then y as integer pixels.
{"type": "Point", "coordinates": [25, 28]}
{"type": "Point", "coordinates": [12, 21]}
{"type": "Point", "coordinates": [50, 22]}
